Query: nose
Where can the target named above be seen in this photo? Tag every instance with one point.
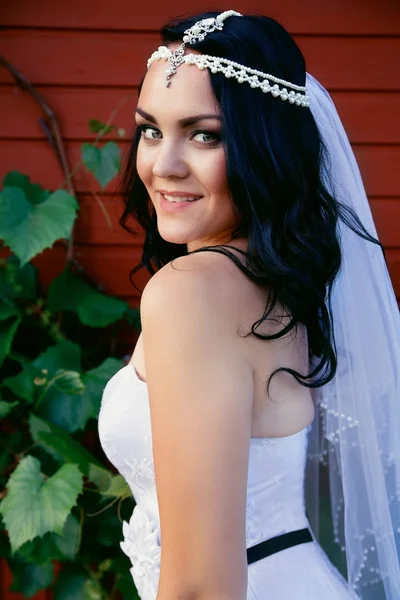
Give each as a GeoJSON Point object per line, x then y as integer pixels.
{"type": "Point", "coordinates": [170, 161]}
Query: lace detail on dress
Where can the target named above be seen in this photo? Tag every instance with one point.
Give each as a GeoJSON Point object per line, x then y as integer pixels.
{"type": "Point", "coordinates": [266, 446]}
{"type": "Point", "coordinates": [252, 530]}
{"type": "Point", "coordinates": [141, 470]}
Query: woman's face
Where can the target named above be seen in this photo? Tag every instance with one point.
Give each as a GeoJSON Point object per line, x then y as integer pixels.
{"type": "Point", "coordinates": [181, 154]}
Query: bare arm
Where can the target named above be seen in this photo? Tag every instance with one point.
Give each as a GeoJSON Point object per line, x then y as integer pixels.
{"type": "Point", "coordinates": [200, 392]}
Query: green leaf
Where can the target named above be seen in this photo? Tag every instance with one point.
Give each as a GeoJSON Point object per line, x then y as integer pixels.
{"type": "Point", "coordinates": [67, 544]}
{"type": "Point", "coordinates": [103, 311]}
{"type": "Point", "coordinates": [69, 382]}
{"type": "Point", "coordinates": [70, 292]}
{"type": "Point", "coordinates": [8, 310]}
{"type": "Point", "coordinates": [95, 381]}
{"type": "Point", "coordinates": [118, 488]}
{"type": "Point", "coordinates": [74, 584]}
{"type": "Point", "coordinates": [72, 412]}
{"type": "Point", "coordinates": [23, 384]}
{"type": "Point", "coordinates": [65, 356]}
{"type": "Point", "coordinates": [8, 329]}
{"type": "Point", "coordinates": [29, 228]}
{"type": "Point", "coordinates": [37, 426]}
{"type": "Point", "coordinates": [33, 505]}
{"type": "Point", "coordinates": [108, 484]}
{"type": "Point", "coordinates": [100, 476]}
{"type": "Point", "coordinates": [70, 450]}
{"type": "Point", "coordinates": [62, 387]}
{"type": "Point", "coordinates": [61, 445]}
{"type": "Point", "coordinates": [53, 546]}
{"type": "Point", "coordinates": [29, 578]}
{"type": "Point", "coordinates": [97, 126]}
{"type": "Point", "coordinates": [6, 408]}
{"type": "Point", "coordinates": [104, 163]}
{"type": "Point", "coordinates": [64, 410]}
{"type": "Point", "coordinates": [34, 192]}
{"type": "Point", "coordinates": [16, 281]}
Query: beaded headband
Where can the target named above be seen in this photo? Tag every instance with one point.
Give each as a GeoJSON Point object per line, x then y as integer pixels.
{"type": "Point", "coordinates": [229, 68]}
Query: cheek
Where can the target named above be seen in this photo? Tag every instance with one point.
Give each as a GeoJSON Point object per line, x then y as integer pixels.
{"type": "Point", "coordinates": [216, 173]}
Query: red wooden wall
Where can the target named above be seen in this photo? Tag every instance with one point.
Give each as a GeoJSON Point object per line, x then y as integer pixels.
{"type": "Point", "coordinates": [86, 56]}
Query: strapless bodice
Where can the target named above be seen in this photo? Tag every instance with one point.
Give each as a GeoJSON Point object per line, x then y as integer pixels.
{"type": "Point", "coordinates": [275, 486]}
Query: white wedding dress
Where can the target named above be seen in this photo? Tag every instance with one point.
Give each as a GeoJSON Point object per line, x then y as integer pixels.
{"type": "Point", "coordinates": [275, 502]}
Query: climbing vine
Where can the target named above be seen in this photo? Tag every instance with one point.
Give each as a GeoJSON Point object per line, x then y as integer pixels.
{"type": "Point", "coordinates": [61, 505]}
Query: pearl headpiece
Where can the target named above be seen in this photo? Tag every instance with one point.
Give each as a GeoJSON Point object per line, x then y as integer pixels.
{"type": "Point", "coordinates": [229, 68]}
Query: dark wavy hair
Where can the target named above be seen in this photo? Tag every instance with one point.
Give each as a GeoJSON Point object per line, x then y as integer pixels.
{"type": "Point", "coordinates": [274, 157]}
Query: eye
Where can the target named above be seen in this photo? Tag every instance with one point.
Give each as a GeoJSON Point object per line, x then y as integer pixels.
{"type": "Point", "coordinates": [209, 137]}
{"type": "Point", "coordinates": [148, 132]}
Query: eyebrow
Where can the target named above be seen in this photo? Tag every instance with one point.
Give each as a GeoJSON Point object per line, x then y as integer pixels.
{"type": "Point", "coordinates": [186, 122]}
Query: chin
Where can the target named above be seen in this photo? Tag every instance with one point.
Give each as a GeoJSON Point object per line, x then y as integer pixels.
{"type": "Point", "coordinates": [174, 238]}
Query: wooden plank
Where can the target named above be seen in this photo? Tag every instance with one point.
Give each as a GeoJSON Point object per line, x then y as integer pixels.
{"type": "Point", "coordinates": [378, 165]}
{"type": "Point", "coordinates": [353, 63]}
{"type": "Point", "coordinates": [119, 59]}
{"type": "Point", "coordinates": [77, 58]}
{"type": "Point", "coordinates": [369, 117]}
{"type": "Point", "coordinates": [386, 214]}
{"type": "Point", "coordinates": [111, 266]}
{"type": "Point", "coordinates": [74, 106]}
{"type": "Point", "coordinates": [98, 223]}
{"type": "Point", "coordinates": [308, 16]}
{"type": "Point", "coordinates": [393, 262]}
{"type": "Point", "coordinates": [379, 169]}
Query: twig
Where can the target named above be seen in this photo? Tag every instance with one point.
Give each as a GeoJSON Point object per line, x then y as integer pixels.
{"type": "Point", "coordinates": [113, 501]}
{"type": "Point", "coordinates": [102, 208]}
{"type": "Point", "coordinates": [51, 128]}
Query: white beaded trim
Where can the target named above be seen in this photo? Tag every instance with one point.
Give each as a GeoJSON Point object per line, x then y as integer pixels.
{"type": "Point", "coordinates": [241, 73]}
{"type": "Point", "coordinates": [229, 68]}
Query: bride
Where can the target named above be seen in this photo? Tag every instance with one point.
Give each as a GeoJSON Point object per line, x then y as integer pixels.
{"type": "Point", "coordinates": [270, 332]}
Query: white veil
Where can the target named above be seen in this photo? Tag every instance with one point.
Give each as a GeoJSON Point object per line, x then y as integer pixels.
{"type": "Point", "coordinates": [356, 432]}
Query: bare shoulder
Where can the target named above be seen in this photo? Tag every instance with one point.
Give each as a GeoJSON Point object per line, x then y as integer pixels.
{"type": "Point", "coordinates": [203, 279]}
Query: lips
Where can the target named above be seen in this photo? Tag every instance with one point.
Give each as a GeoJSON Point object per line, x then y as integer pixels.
{"type": "Point", "coordinates": [181, 198]}
{"type": "Point", "coordinates": [177, 203]}
{"type": "Point", "coordinates": [179, 194]}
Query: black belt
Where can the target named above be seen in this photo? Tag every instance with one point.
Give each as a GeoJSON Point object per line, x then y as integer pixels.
{"type": "Point", "coordinates": [278, 543]}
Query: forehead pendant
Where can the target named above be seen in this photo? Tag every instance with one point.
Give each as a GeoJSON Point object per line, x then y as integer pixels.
{"type": "Point", "coordinates": [194, 35]}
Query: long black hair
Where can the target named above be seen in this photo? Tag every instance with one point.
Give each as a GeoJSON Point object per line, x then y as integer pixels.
{"type": "Point", "coordinates": [274, 157]}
